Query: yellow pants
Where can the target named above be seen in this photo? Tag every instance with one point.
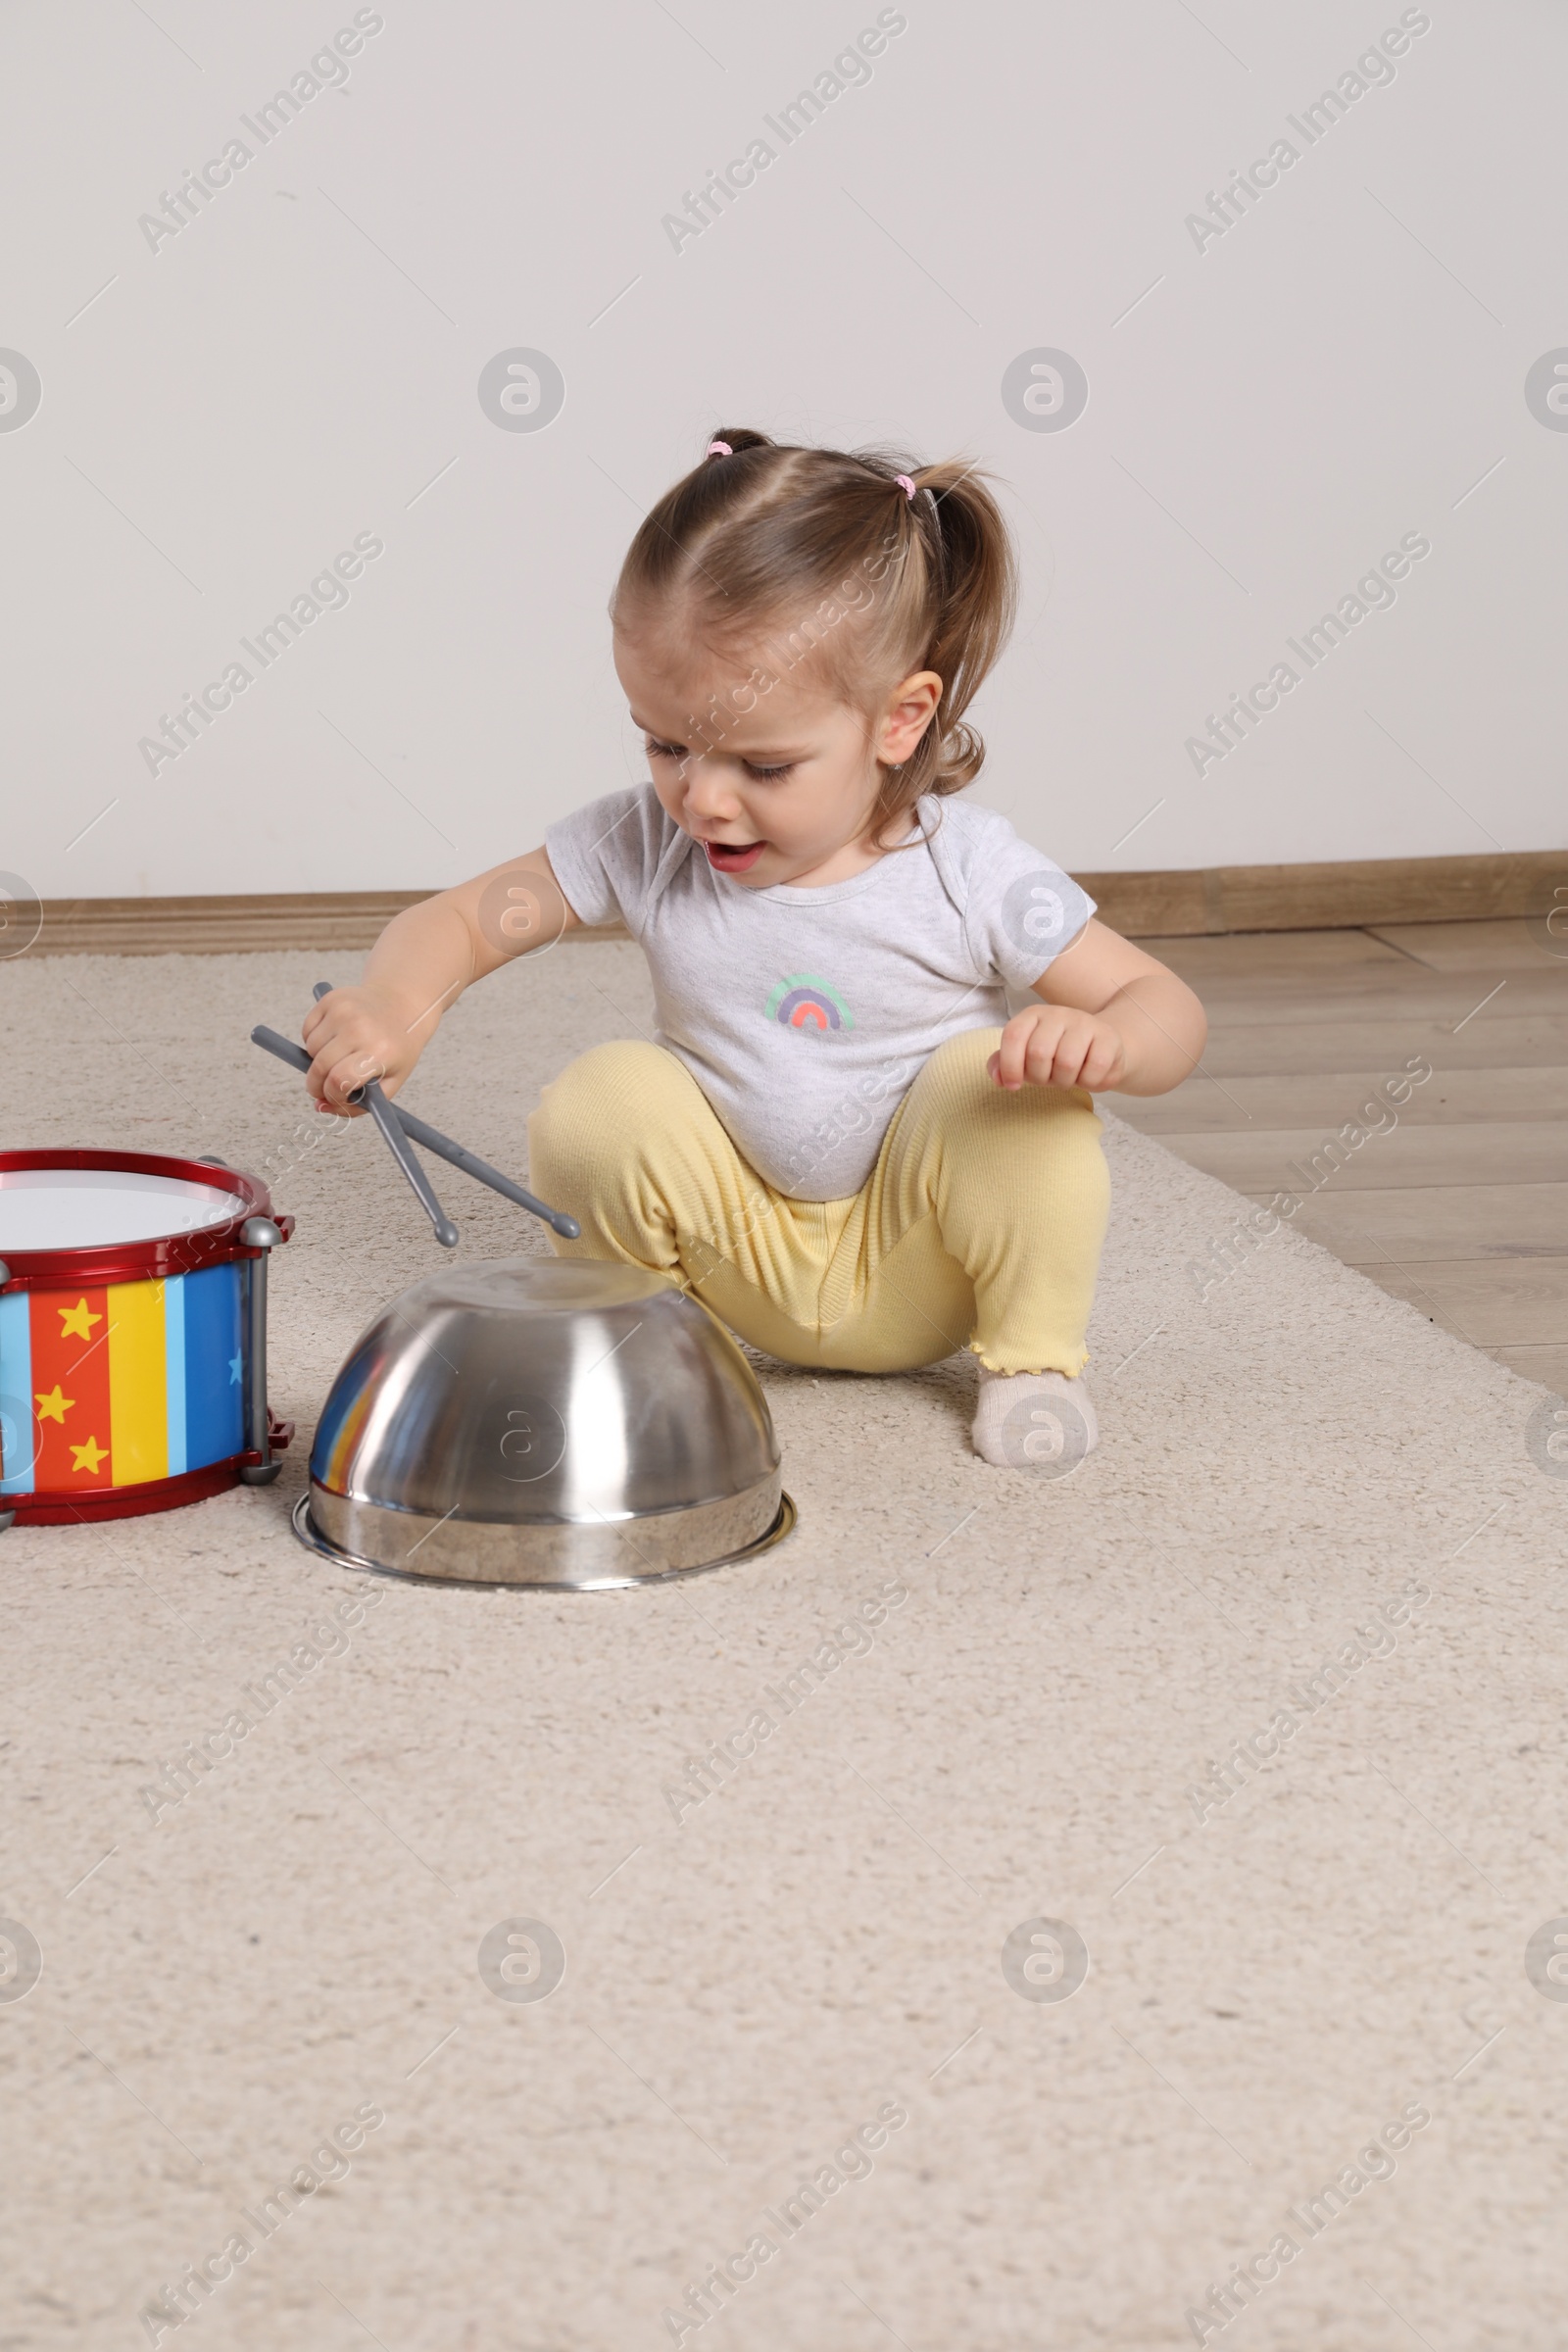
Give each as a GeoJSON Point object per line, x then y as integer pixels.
{"type": "Point", "coordinates": [979, 1227]}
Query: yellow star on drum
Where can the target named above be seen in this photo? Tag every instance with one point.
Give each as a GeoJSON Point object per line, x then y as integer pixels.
{"type": "Point", "coordinates": [89, 1456]}
{"type": "Point", "coordinates": [77, 1322]}
{"type": "Point", "coordinates": [55, 1406]}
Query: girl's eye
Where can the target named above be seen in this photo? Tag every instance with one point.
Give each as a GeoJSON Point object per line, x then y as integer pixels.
{"type": "Point", "coordinates": [677, 751]}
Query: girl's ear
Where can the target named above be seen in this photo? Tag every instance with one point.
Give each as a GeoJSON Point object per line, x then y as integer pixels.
{"type": "Point", "coordinates": [908, 714]}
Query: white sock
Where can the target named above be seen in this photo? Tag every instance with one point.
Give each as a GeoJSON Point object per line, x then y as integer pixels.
{"type": "Point", "coordinates": [1040, 1421]}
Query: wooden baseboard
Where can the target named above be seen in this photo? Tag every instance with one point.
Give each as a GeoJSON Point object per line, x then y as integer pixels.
{"type": "Point", "coordinates": [237, 926]}
{"type": "Point", "coordinates": [1330, 898]}
{"type": "Point", "coordinates": [1143, 905]}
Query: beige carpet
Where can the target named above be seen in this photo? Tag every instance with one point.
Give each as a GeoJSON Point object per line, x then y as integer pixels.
{"type": "Point", "coordinates": [819, 1942]}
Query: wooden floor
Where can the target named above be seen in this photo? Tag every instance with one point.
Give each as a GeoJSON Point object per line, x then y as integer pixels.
{"type": "Point", "coordinates": [1462, 1207]}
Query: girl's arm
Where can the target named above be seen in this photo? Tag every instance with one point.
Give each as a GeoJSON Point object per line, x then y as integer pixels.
{"type": "Point", "coordinates": [1111, 1019]}
{"type": "Point", "coordinates": [422, 963]}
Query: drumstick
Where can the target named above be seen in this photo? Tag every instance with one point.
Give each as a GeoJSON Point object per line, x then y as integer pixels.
{"type": "Point", "coordinates": [397, 1142]}
{"type": "Point", "coordinates": [434, 1141]}
{"type": "Point", "coordinates": [472, 1165]}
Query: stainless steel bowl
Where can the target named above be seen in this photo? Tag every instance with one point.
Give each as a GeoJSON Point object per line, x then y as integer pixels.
{"type": "Point", "coordinates": [537, 1421]}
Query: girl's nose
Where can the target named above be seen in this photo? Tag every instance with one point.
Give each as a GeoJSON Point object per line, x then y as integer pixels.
{"type": "Point", "coordinates": [708, 794]}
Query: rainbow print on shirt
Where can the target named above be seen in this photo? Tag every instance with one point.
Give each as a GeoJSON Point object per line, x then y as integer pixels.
{"type": "Point", "coordinates": [808, 1004]}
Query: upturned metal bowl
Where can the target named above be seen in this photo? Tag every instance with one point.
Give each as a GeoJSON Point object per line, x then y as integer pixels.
{"type": "Point", "coordinates": [537, 1421]}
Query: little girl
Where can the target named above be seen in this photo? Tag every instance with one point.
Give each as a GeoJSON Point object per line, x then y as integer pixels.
{"type": "Point", "coordinates": [838, 1141]}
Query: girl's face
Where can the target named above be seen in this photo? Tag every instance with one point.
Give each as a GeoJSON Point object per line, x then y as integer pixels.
{"type": "Point", "coordinates": [774, 780]}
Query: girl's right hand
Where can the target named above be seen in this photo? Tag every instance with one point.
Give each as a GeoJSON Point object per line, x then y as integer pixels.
{"type": "Point", "coordinates": [354, 1035]}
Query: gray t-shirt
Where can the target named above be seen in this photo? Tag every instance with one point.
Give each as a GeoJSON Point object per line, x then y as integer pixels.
{"type": "Point", "coordinates": [806, 1013]}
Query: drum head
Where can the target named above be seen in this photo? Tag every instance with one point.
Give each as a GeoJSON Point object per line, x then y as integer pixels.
{"type": "Point", "coordinates": [91, 1208]}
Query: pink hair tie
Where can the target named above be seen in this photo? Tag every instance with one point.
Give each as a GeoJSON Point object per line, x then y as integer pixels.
{"type": "Point", "coordinates": [718, 449]}
{"type": "Point", "coordinates": [905, 484]}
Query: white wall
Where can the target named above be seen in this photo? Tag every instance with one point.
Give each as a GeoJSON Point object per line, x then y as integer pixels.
{"type": "Point", "coordinates": [298, 363]}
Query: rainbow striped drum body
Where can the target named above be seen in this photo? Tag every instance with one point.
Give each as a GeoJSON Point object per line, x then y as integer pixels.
{"type": "Point", "coordinates": [132, 1334]}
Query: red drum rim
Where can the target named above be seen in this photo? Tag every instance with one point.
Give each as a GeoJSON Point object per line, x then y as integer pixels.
{"type": "Point", "coordinates": [49, 1507]}
{"type": "Point", "coordinates": [155, 1260]}
{"type": "Point", "coordinates": [46, 1509]}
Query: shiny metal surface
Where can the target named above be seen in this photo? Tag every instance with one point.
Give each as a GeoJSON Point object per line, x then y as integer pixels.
{"type": "Point", "coordinates": [310, 1536]}
{"type": "Point", "coordinates": [543, 1421]}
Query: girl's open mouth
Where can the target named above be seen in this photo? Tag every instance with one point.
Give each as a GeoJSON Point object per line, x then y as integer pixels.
{"type": "Point", "coordinates": [733, 857]}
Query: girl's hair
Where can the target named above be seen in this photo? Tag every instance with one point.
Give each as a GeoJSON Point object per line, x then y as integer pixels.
{"type": "Point", "coordinates": [822, 553]}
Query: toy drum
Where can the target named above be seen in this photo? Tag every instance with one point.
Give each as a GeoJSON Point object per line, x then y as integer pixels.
{"type": "Point", "coordinates": [132, 1334]}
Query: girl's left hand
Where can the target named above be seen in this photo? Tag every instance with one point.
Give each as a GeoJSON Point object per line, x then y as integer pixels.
{"type": "Point", "coordinates": [1056, 1045]}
